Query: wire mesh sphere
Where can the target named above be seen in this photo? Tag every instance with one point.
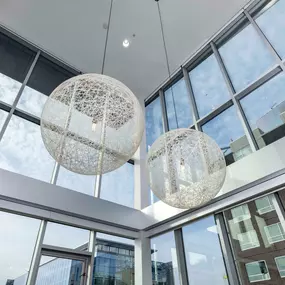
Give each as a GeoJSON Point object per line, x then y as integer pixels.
{"type": "Point", "coordinates": [92, 124]}
{"type": "Point", "coordinates": [186, 168]}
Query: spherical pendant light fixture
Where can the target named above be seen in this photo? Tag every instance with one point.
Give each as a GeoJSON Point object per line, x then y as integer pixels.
{"type": "Point", "coordinates": [186, 168]}
{"type": "Point", "coordinates": [92, 124]}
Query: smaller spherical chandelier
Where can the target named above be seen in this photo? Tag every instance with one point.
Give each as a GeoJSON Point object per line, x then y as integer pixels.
{"type": "Point", "coordinates": [92, 124]}
{"type": "Point", "coordinates": [186, 168]}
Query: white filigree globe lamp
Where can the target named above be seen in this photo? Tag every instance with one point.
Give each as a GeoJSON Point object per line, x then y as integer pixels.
{"type": "Point", "coordinates": [186, 168]}
{"type": "Point", "coordinates": [92, 124]}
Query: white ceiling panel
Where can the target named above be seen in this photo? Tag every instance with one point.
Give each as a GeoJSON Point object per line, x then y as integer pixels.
{"type": "Point", "coordinates": [73, 31]}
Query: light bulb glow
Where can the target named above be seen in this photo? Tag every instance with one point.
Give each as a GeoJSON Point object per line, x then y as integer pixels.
{"type": "Point", "coordinates": [126, 43]}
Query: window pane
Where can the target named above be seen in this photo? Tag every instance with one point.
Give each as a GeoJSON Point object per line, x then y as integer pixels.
{"type": "Point", "coordinates": [257, 271]}
{"type": "Point", "coordinates": [257, 238]}
{"type": "Point", "coordinates": [114, 261]}
{"type": "Point", "coordinates": [266, 118]}
{"type": "Point", "coordinates": [22, 150]}
{"type": "Point", "coordinates": [65, 236]}
{"type": "Point", "coordinates": [280, 261]}
{"type": "Point", "coordinates": [272, 24]}
{"type": "Point", "coordinates": [178, 106]}
{"type": "Point", "coordinates": [205, 264]}
{"type": "Point", "coordinates": [153, 121]}
{"type": "Point", "coordinates": [208, 86]}
{"type": "Point", "coordinates": [164, 260]}
{"type": "Point", "coordinates": [45, 77]}
{"type": "Point", "coordinates": [15, 61]}
{"type": "Point", "coordinates": [227, 131]}
{"type": "Point", "coordinates": [246, 57]}
{"type": "Point", "coordinates": [77, 182]}
{"type": "Point", "coordinates": [118, 186]}
{"type": "Point", "coordinates": [18, 236]}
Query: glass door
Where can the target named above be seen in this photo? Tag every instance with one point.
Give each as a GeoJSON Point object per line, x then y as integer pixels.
{"type": "Point", "coordinates": [62, 269]}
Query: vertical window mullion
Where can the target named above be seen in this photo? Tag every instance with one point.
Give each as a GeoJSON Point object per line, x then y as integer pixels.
{"type": "Point", "coordinates": [164, 111]}
{"type": "Point", "coordinates": [181, 259]}
{"type": "Point", "coordinates": [241, 115]}
{"type": "Point", "coordinates": [227, 250]}
{"type": "Point", "coordinates": [192, 99]}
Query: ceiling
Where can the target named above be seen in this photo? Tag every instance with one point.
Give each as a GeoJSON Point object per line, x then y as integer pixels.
{"type": "Point", "coordinates": [72, 30]}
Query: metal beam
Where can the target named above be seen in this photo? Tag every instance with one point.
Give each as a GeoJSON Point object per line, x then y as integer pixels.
{"type": "Point", "coordinates": [33, 271]}
{"type": "Point", "coordinates": [195, 115]}
{"type": "Point", "coordinates": [227, 250]}
{"type": "Point", "coordinates": [181, 260]}
{"type": "Point", "coordinates": [164, 111]}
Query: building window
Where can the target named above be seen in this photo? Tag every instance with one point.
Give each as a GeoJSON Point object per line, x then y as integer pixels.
{"type": "Point", "coordinates": [204, 259]}
{"type": "Point", "coordinates": [118, 186]}
{"type": "Point", "coordinates": [227, 131]}
{"type": "Point", "coordinates": [265, 204]}
{"type": "Point", "coordinates": [257, 271]}
{"type": "Point", "coordinates": [66, 236]}
{"type": "Point", "coordinates": [15, 61]}
{"type": "Point", "coordinates": [274, 233]}
{"type": "Point", "coordinates": [254, 239]}
{"type": "Point", "coordinates": [164, 260]}
{"type": "Point", "coordinates": [280, 262]}
{"type": "Point", "coordinates": [178, 107]}
{"type": "Point", "coordinates": [248, 240]}
{"type": "Point", "coordinates": [18, 236]}
{"type": "Point", "coordinates": [22, 150]}
{"type": "Point", "coordinates": [209, 88]}
{"type": "Point", "coordinates": [153, 122]}
{"type": "Point", "coordinates": [246, 57]}
{"type": "Point", "coordinates": [266, 118]}
{"type": "Point", "coordinates": [45, 77]}
{"type": "Point", "coordinates": [77, 182]}
{"type": "Point", "coordinates": [240, 213]}
{"type": "Point", "coordinates": [272, 24]}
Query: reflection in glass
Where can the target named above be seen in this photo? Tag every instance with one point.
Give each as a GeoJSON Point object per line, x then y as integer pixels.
{"type": "Point", "coordinates": [18, 236]}
{"type": "Point", "coordinates": [22, 150]}
{"type": "Point", "coordinates": [257, 237]}
{"type": "Point", "coordinates": [178, 107]}
{"type": "Point", "coordinates": [266, 118]}
{"type": "Point", "coordinates": [203, 253]}
{"type": "Point", "coordinates": [153, 122]}
{"type": "Point", "coordinates": [272, 24]}
{"type": "Point", "coordinates": [114, 261]}
{"type": "Point", "coordinates": [65, 236]}
{"type": "Point", "coordinates": [15, 61]}
{"type": "Point", "coordinates": [227, 131]}
{"type": "Point", "coordinates": [164, 260]}
{"type": "Point", "coordinates": [118, 186]}
{"type": "Point", "coordinates": [246, 57]}
{"type": "Point", "coordinates": [208, 86]}
{"type": "Point", "coordinates": [60, 271]}
{"type": "Point", "coordinates": [80, 183]}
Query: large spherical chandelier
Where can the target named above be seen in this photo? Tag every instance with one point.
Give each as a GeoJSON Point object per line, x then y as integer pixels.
{"type": "Point", "coordinates": [92, 124]}
{"type": "Point", "coordinates": [186, 168]}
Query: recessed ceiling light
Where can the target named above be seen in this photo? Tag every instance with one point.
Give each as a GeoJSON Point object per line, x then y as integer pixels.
{"type": "Point", "coordinates": [126, 43]}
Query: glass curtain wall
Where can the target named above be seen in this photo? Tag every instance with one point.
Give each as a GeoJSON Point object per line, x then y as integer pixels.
{"type": "Point", "coordinates": [21, 147]}
{"type": "Point", "coordinates": [237, 87]}
{"type": "Point", "coordinates": [257, 234]}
